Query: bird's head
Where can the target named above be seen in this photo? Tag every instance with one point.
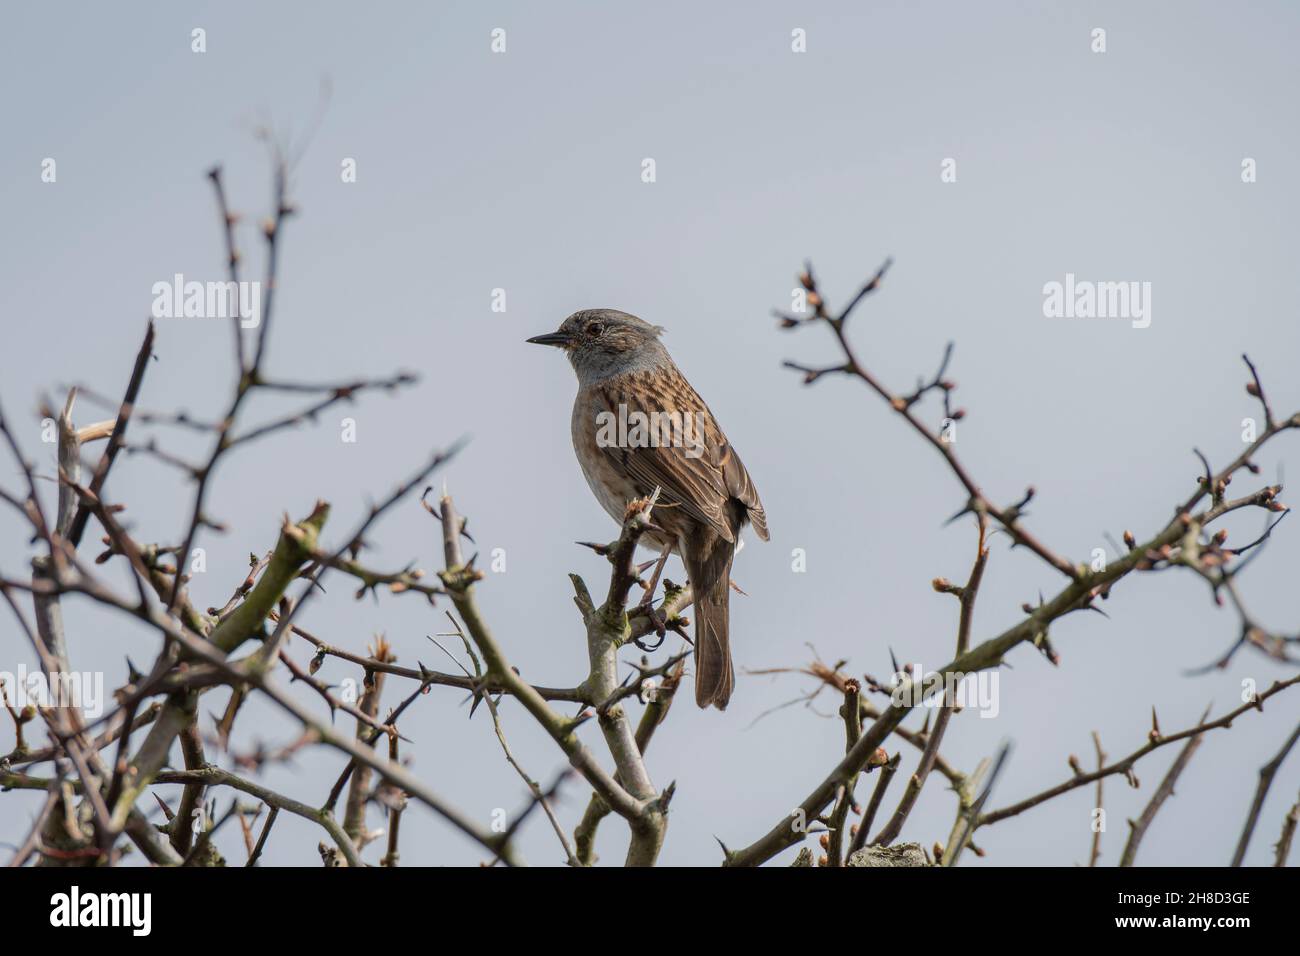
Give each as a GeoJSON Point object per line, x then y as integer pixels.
{"type": "Point", "coordinates": [604, 342]}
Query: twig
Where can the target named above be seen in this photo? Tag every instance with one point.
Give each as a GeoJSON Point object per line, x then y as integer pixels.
{"type": "Point", "coordinates": [851, 713]}
{"type": "Point", "coordinates": [117, 439]}
{"type": "Point", "coordinates": [1282, 849]}
{"type": "Point", "coordinates": [877, 796]}
{"type": "Point", "coordinates": [1125, 765]}
{"type": "Point", "coordinates": [1095, 853]}
{"type": "Point", "coordinates": [215, 776]}
{"type": "Point", "coordinates": [1266, 775]}
{"type": "Point", "coordinates": [1139, 827]}
{"type": "Point", "coordinates": [966, 596]}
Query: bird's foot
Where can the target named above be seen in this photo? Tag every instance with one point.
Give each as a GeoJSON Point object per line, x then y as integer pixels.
{"type": "Point", "coordinates": [658, 624]}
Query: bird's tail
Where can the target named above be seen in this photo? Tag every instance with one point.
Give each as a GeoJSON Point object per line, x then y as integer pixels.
{"type": "Point", "coordinates": [709, 565]}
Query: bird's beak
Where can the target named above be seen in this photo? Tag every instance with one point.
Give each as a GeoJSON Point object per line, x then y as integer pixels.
{"type": "Point", "coordinates": [558, 339]}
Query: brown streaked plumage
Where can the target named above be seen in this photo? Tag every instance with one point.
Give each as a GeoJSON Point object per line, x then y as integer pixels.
{"type": "Point", "coordinates": [625, 375]}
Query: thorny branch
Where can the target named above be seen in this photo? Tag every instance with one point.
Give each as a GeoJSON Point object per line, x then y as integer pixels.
{"type": "Point", "coordinates": [92, 797]}
{"type": "Point", "coordinates": [1182, 541]}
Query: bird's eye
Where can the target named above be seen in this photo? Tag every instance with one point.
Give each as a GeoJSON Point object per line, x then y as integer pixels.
{"type": "Point", "coordinates": [595, 328]}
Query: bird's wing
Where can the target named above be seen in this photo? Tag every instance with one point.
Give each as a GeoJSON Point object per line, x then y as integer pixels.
{"type": "Point", "coordinates": [695, 467]}
{"type": "Point", "coordinates": [741, 487]}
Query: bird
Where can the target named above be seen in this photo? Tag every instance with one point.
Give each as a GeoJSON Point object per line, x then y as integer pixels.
{"type": "Point", "coordinates": [637, 426]}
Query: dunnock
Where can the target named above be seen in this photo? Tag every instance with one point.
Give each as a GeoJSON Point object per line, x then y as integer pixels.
{"type": "Point", "coordinates": [638, 425]}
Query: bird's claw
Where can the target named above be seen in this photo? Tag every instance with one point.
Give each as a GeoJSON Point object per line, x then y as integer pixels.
{"type": "Point", "coordinates": [658, 624]}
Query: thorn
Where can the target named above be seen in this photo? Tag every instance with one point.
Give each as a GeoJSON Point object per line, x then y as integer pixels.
{"type": "Point", "coordinates": [167, 811]}
{"type": "Point", "coordinates": [667, 796]}
{"type": "Point", "coordinates": [964, 511]}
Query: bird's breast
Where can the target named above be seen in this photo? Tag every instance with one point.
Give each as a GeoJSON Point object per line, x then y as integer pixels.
{"type": "Point", "coordinates": [612, 488]}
